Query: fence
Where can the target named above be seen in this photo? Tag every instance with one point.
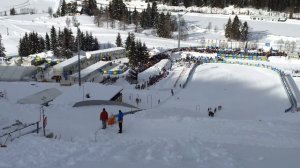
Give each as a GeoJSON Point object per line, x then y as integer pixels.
{"type": "Point", "coordinates": [20, 131]}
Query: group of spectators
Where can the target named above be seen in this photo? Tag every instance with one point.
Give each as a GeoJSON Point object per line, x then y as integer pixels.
{"type": "Point", "coordinates": [153, 79]}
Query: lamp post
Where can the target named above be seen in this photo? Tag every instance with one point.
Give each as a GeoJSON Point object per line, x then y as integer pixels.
{"type": "Point", "coordinates": [78, 48]}
{"type": "Point", "coordinates": [42, 113]}
{"type": "Point", "coordinates": [179, 29]}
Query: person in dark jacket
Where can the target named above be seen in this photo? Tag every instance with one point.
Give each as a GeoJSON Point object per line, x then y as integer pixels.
{"type": "Point", "coordinates": [104, 118]}
{"type": "Point", "coordinates": [120, 120]}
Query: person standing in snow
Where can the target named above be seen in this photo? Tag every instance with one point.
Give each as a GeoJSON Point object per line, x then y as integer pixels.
{"type": "Point", "coordinates": [120, 120]}
{"type": "Point", "coordinates": [172, 92]}
{"type": "Point", "coordinates": [104, 118]}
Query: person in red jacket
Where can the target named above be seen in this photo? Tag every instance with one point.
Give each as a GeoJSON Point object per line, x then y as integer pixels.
{"type": "Point", "coordinates": [104, 118]}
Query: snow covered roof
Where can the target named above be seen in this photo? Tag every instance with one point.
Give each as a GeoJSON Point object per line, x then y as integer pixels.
{"type": "Point", "coordinates": [89, 53]}
{"type": "Point", "coordinates": [95, 67]}
{"type": "Point", "coordinates": [69, 62]}
{"type": "Point", "coordinates": [16, 73]}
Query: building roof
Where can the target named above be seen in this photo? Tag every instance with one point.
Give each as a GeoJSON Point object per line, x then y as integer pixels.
{"type": "Point", "coordinates": [95, 67]}
{"type": "Point", "coordinates": [68, 62]}
{"type": "Point", "coordinates": [89, 53]}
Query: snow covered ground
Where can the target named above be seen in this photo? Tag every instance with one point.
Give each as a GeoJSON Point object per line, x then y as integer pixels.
{"type": "Point", "coordinates": [39, 5]}
{"type": "Point", "coordinates": [261, 32]}
{"type": "Point", "coordinates": [251, 130]}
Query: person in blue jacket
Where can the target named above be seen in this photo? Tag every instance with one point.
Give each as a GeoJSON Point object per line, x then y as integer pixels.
{"type": "Point", "coordinates": [120, 120]}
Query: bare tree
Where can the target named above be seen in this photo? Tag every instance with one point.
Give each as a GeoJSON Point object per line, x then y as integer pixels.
{"type": "Point", "coordinates": [209, 26]}
{"type": "Point", "coordinates": [280, 43]}
{"type": "Point", "coordinates": [75, 21]}
{"type": "Point", "coordinates": [68, 22]}
{"type": "Point", "coordinates": [287, 46]}
{"type": "Point", "coordinates": [216, 29]}
{"type": "Point", "coordinates": [293, 46]}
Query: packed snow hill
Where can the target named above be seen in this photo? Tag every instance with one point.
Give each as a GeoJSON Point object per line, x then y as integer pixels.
{"type": "Point", "coordinates": [249, 130]}
{"type": "Point", "coordinates": [208, 115]}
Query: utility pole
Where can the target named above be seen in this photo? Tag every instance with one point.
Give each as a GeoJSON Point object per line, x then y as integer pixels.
{"type": "Point", "coordinates": [78, 48]}
{"type": "Point", "coordinates": [179, 29]}
{"type": "Point", "coordinates": [179, 32]}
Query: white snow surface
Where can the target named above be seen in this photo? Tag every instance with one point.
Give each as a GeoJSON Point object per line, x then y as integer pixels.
{"type": "Point", "coordinates": [251, 130]}
{"type": "Point", "coordinates": [14, 27]}
{"type": "Point", "coordinates": [39, 5]}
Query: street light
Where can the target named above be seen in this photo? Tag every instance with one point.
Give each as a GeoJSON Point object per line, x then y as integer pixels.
{"type": "Point", "coordinates": [78, 48]}
{"type": "Point", "coordinates": [179, 28]}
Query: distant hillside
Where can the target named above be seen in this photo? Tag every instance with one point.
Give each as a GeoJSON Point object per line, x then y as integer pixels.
{"type": "Point", "coordinates": [39, 5]}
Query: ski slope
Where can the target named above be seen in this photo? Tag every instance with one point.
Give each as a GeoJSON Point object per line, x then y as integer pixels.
{"type": "Point", "coordinates": [251, 130]}
{"type": "Point", "coordinates": [39, 5]}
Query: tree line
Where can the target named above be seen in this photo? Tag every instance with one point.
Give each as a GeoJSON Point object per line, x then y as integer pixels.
{"type": "Point", "coordinates": [236, 30]}
{"type": "Point", "coordinates": [89, 7]}
{"type": "Point", "coordinates": [164, 24]}
{"type": "Point", "coordinates": [2, 48]}
{"type": "Point", "coordinates": [61, 42]}
{"type": "Point", "coordinates": [136, 51]}
{"type": "Point", "coordinates": [275, 5]}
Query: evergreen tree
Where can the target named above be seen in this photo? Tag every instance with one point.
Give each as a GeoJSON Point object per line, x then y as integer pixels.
{"type": "Point", "coordinates": [174, 2]}
{"type": "Point", "coordinates": [143, 19]}
{"type": "Point", "coordinates": [92, 6]}
{"type": "Point", "coordinates": [90, 40]}
{"type": "Point", "coordinates": [138, 55]}
{"type": "Point", "coordinates": [187, 3]}
{"type": "Point", "coordinates": [235, 28]}
{"type": "Point", "coordinates": [95, 44]}
{"type": "Point", "coordinates": [63, 8]}
{"type": "Point", "coordinates": [78, 37]}
{"type": "Point", "coordinates": [131, 55]}
{"type": "Point", "coordinates": [31, 44]}
{"type": "Point", "coordinates": [218, 3]}
{"type": "Point", "coordinates": [128, 42]}
{"type": "Point", "coordinates": [164, 25]}
{"type": "Point", "coordinates": [154, 14]}
{"type": "Point", "coordinates": [198, 3]}
{"type": "Point", "coordinates": [12, 11]}
{"type": "Point", "coordinates": [41, 47]}
{"type": "Point", "coordinates": [25, 48]}
{"type": "Point", "coordinates": [74, 7]}
{"type": "Point", "coordinates": [135, 18]}
{"type": "Point", "coordinates": [47, 42]}
{"type": "Point", "coordinates": [2, 48]}
{"type": "Point", "coordinates": [67, 43]}
{"type": "Point", "coordinates": [228, 29]}
{"type": "Point", "coordinates": [145, 54]}
{"type": "Point", "coordinates": [119, 41]}
{"type": "Point", "coordinates": [54, 43]}
{"type": "Point", "coordinates": [149, 21]}
{"type": "Point", "coordinates": [21, 48]}
{"type": "Point", "coordinates": [244, 32]}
